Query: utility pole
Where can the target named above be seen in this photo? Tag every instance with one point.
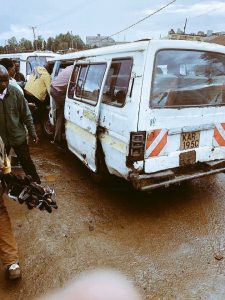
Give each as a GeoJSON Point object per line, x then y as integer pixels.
{"type": "Point", "coordinates": [71, 39]}
{"type": "Point", "coordinates": [6, 48]}
{"type": "Point", "coordinates": [185, 25]}
{"type": "Point", "coordinates": [33, 29]}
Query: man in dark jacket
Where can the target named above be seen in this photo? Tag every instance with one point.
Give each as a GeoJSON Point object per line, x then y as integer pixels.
{"type": "Point", "coordinates": [14, 116]}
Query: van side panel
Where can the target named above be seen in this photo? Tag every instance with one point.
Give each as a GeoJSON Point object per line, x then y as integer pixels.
{"type": "Point", "coordinates": [119, 122]}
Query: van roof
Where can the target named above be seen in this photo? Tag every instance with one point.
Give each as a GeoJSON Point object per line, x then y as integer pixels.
{"type": "Point", "coordinates": [23, 56]}
{"type": "Point", "coordinates": [141, 46]}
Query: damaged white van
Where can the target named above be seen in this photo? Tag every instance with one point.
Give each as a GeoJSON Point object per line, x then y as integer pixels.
{"type": "Point", "coordinates": [152, 112]}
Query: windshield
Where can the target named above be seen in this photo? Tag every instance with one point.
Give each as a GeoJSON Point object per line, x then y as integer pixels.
{"type": "Point", "coordinates": [188, 78]}
{"type": "Point", "coordinates": [35, 61]}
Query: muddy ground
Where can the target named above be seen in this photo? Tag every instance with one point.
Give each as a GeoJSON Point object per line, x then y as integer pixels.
{"type": "Point", "coordinates": [171, 244]}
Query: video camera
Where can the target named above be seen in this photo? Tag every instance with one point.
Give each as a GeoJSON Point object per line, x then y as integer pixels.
{"type": "Point", "coordinates": [24, 190]}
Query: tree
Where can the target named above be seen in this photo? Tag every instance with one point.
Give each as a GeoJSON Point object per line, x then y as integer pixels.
{"type": "Point", "coordinates": [25, 45]}
{"type": "Point", "coordinates": [38, 43]}
{"type": "Point", "coordinates": [50, 44]}
{"type": "Point", "coordinates": [78, 43]}
{"type": "Point", "coordinates": [12, 44]}
{"type": "Point", "coordinates": [2, 50]}
{"type": "Point", "coordinates": [63, 41]}
{"type": "Point", "coordinates": [68, 40]}
{"type": "Point", "coordinates": [12, 41]}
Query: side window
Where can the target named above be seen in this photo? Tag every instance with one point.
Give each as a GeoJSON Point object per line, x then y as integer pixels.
{"type": "Point", "coordinates": [72, 83]}
{"type": "Point", "coordinates": [80, 82]}
{"type": "Point", "coordinates": [93, 82]}
{"type": "Point", "coordinates": [86, 81]}
{"type": "Point", "coordinates": [117, 82]}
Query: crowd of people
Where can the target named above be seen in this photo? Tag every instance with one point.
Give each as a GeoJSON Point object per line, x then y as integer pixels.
{"type": "Point", "coordinates": [16, 124]}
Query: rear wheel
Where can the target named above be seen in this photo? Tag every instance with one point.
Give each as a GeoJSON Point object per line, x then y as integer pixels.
{"type": "Point", "coordinates": [47, 128]}
{"type": "Point", "coordinates": [102, 174]}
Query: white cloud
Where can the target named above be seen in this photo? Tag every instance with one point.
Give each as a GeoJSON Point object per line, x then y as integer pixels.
{"type": "Point", "coordinates": [17, 31]}
{"type": "Point", "coordinates": [211, 8]}
{"type": "Point", "coordinates": [148, 34]}
{"type": "Point", "coordinates": [22, 32]}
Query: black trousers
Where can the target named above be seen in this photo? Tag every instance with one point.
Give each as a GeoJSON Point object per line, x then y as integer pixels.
{"type": "Point", "coordinates": [60, 121]}
{"type": "Point", "coordinates": [41, 107]}
{"type": "Point", "coordinates": [23, 153]}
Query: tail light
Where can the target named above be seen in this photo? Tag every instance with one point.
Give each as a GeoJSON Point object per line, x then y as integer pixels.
{"type": "Point", "coordinates": [137, 145]}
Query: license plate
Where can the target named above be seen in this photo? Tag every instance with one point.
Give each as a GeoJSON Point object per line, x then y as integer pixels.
{"type": "Point", "coordinates": [189, 140]}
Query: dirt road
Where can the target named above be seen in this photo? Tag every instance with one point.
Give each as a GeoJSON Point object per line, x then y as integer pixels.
{"type": "Point", "coordinates": [171, 244]}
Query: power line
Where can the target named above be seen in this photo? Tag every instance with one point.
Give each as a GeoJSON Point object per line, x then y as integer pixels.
{"type": "Point", "coordinates": [148, 16]}
{"type": "Point", "coordinates": [67, 13]}
{"type": "Point", "coordinates": [194, 17]}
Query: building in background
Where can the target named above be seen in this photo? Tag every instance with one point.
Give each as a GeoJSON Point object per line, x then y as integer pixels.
{"type": "Point", "coordinates": [180, 35]}
{"type": "Point", "coordinates": [101, 41]}
{"type": "Point", "coordinates": [216, 37]}
{"type": "Point", "coordinates": [209, 36]}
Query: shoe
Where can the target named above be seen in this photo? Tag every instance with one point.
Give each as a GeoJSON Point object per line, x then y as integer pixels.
{"type": "Point", "coordinates": [13, 271]}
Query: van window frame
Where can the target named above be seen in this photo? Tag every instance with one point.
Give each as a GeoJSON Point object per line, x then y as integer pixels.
{"type": "Point", "coordinates": [60, 63]}
{"type": "Point", "coordinates": [132, 63]}
{"type": "Point", "coordinates": [80, 99]}
{"type": "Point", "coordinates": [29, 63]}
{"type": "Point", "coordinates": [178, 106]}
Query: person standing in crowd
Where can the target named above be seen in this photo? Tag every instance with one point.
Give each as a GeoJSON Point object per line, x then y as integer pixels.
{"type": "Point", "coordinates": [58, 92]}
{"type": "Point", "coordinates": [19, 77]}
{"type": "Point", "coordinates": [8, 247]}
{"type": "Point", "coordinates": [11, 68]}
{"type": "Point", "coordinates": [14, 116]}
{"type": "Point", "coordinates": [37, 88]}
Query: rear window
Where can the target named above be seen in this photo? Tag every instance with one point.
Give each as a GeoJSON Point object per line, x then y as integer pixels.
{"type": "Point", "coordinates": [35, 61]}
{"type": "Point", "coordinates": [188, 78]}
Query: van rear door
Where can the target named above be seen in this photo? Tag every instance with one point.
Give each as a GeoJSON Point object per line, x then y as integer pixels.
{"type": "Point", "coordinates": [185, 118]}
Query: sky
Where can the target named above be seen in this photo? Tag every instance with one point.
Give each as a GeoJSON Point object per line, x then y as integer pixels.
{"type": "Point", "coordinates": [92, 17]}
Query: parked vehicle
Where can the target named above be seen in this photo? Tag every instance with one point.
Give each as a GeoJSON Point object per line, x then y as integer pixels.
{"type": "Point", "coordinates": [152, 112]}
{"type": "Point", "coordinates": [60, 63]}
{"type": "Point", "coordinates": [29, 60]}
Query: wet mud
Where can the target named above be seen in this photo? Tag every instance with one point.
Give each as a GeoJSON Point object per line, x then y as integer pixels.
{"type": "Point", "coordinates": [170, 243]}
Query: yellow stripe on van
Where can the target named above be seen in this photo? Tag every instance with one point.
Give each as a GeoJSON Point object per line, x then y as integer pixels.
{"type": "Point", "coordinates": [80, 132]}
{"type": "Point", "coordinates": [114, 143]}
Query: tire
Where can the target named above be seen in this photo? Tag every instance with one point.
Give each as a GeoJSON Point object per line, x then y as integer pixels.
{"type": "Point", "coordinates": [47, 128]}
{"type": "Point", "coordinates": [102, 174]}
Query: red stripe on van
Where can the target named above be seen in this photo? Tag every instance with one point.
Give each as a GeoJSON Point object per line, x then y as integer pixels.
{"type": "Point", "coordinates": [160, 146]}
{"type": "Point", "coordinates": [218, 137]}
{"type": "Point", "coordinates": [223, 125]}
{"type": "Point", "coordinates": [151, 137]}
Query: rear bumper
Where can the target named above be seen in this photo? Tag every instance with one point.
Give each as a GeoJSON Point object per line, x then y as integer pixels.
{"type": "Point", "coordinates": [148, 182]}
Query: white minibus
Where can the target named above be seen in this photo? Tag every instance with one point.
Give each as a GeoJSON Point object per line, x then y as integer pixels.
{"type": "Point", "coordinates": [152, 112]}
{"type": "Point", "coordinates": [29, 60]}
